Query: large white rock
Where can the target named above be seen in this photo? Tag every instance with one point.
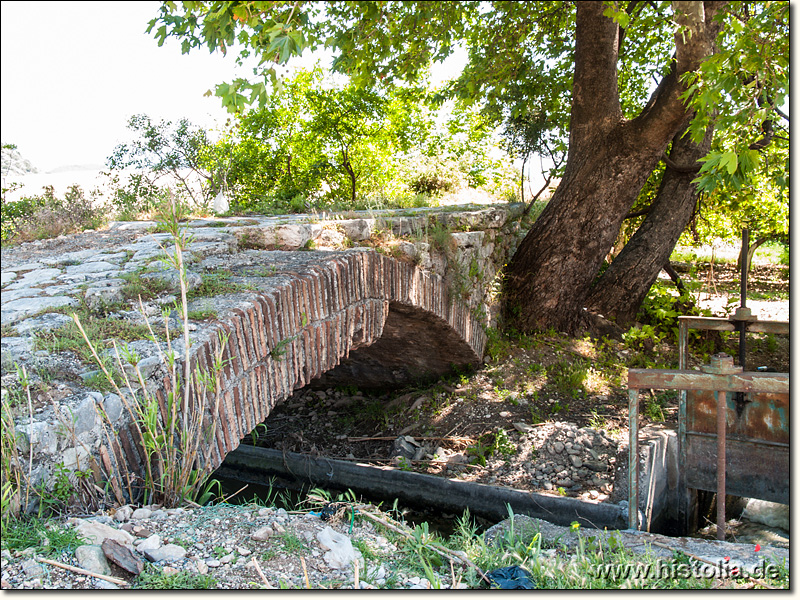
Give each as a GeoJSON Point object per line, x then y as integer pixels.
{"type": "Point", "coordinates": [92, 558]}
{"type": "Point", "coordinates": [94, 533]}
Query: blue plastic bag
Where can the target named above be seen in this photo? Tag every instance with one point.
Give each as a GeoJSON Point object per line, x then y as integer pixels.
{"type": "Point", "coordinates": [511, 578]}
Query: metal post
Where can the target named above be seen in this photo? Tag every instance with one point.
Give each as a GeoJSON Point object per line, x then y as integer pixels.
{"type": "Point", "coordinates": [743, 297]}
{"type": "Point", "coordinates": [633, 459]}
{"type": "Point", "coordinates": [722, 407]}
{"type": "Point", "coordinates": [684, 508]}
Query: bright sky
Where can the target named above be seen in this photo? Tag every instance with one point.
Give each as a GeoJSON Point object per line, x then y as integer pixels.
{"type": "Point", "coordinates": [74, 72]}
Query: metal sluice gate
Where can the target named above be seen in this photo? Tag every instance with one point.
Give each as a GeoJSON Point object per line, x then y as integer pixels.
{"type": "Point", "coordinates": [733, 425]}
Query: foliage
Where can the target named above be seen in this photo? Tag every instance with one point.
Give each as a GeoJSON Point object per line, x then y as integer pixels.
{"type": "Point", "coordinates": [316, 144]}
{"type": "Point", "coordinates": [48, 216]}
{"type": "Point", "coordinates": [521, 73]}
{"type": "Point", "coordinates": [163, 150]}
{"type": "Point", "coordinates": [133, 194]}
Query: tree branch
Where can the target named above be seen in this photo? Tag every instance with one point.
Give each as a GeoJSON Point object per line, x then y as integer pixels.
{"type": "Point", "coordinates": [595, 92]}
{"type": "Point", "coordinates": [680, 168]}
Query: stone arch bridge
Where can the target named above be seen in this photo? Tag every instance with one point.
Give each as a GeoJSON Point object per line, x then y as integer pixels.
{"type": "Point", "coordinates": [348, 317]}
{"type": "Point", "coordinates": [379, 315]}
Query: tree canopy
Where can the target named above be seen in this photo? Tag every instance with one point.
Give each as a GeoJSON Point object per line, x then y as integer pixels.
{"type": "Point", "coordinates": [620, 83]}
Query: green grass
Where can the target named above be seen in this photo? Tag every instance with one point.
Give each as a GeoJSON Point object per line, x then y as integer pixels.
{"type": "Point", "coordinates": [136, 286]}
{"type": "Point", "coordinates": [153, 578]}
{"type": "Point", "coordinates": [214, 285]}
{"type": "Point", "coordinates": [202, 315]}
{"type": "Point", "coordinates": [292, 543]}
{"type": "Point", "coordinates": [102, 330]}
{"type": "Point", "coordinates": [45, 536]}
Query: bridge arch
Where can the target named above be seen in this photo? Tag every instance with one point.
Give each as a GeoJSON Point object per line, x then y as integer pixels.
{"type": "Point", "coordinates": [356, 315]}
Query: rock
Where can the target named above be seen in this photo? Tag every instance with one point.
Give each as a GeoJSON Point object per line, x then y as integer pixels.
{"type": "Point", "coordinates": [576, 461]}
{"type": "Point", "coordinates": [35, 277]}
{"type": "Point", "coordinates": [596, 465]}
{"type": "Point", "coordinates": [168, 553]}
{"type": "Point", "coordinates": [122, 557]}
{"type": "Point", "coordinates": [402, 447]}
{"type": "Point", "coordinates": [767, 513]}
{"type": "Point", "coordinates": [45, 322]}
{"type": "Point", "coordinates": [172, 279]}
{"type": "Point", "coordinates": [75, 459]}
{"type": "Point", "coordinates": [151, 543]}
{"type": "Point", "coordinates": [141, 513]}
{"type": "Point", "coordinates": [19, 309]}
{"type": "Point", "coordinates": [123, 513]}
{"type": "Point", "coordinates": [92, 558]}
{"type": "Point", "coordinates": [112, 405]}
{"type": "Point", "coordinates": [37, 435]}
{"type": "Point", "coordinates": [98, 297]}
{"type": "Point", "coordinates": [340, 549]}
{"type": "Point", "coordinates": [262, 534]}
{"type": "Point", "coordinates": [94, 533]}
{"type": "Point", "coordinates": [558, 447]}
{"type": "Point", "coordinates": [32, 568]}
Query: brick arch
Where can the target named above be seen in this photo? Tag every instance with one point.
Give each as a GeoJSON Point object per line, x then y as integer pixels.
{"type": "Point", "coordinates": [328, 310]}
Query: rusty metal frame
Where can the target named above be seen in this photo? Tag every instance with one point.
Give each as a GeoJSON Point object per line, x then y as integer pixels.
{"type": "Point", "coordinates": [744, 324]}
{"type": "Point", "coordinates": [682, 379]}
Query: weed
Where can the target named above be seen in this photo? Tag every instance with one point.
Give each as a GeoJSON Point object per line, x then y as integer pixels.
{"type": "Point", "coordinates": [106, 330]}
{"type": "Point", "coordinates": [173, 437]}
{"type": "Point", "coordinates": [570, 377]}
{"type": "Point", "coordinates": [202, 315]}
{"type": "Point", "coordinates": [44, 536]}
{"type": "Point", "coordinates": [138, 286]}
{"type": "Point", "coordinates": [215, 284]}
{"type": "Point", "coordinates": [262, 271]}
{"type": "Point", "coordinates": [154, 578]}
{"type": "Point", "coordinates": [292, 543]}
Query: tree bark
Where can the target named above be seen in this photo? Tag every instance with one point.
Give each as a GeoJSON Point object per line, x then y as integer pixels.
{"type": "Point", "coordinates": [623, 286]}
{"type": "Point", "coordinates": [548, 280]}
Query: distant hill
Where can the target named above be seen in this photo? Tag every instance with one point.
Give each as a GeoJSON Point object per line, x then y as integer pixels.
{"type": "Point", "coordinates": [14, 164]}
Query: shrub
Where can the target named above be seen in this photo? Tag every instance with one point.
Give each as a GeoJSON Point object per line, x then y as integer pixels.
{"type": "Point", "coordinates": [47, 216]}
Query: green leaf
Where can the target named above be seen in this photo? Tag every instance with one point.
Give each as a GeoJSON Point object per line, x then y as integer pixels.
{"type": "Point", "coordinates": [729, 161]}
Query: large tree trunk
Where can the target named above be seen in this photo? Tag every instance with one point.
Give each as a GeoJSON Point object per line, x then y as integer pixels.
{"type": "Point", "coordinates": [548, 280]}
{"type": "Point", "coordinates": [623, 286]}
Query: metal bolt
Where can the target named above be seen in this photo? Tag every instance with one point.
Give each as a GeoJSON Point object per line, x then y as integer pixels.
{"type": "Point", "coordinates": [721, 364]}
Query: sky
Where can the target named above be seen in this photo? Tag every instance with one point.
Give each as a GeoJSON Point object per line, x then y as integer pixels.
{"type": "Point", "coordinates": [74, 72]}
